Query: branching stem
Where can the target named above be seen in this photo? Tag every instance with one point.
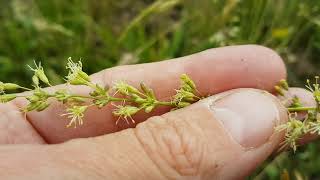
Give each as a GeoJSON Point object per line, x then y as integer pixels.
{"type": "Point", "coordinates": [299, 109]}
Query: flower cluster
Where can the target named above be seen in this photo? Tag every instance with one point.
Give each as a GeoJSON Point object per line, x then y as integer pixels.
{"type": "Point", "coordinates": [132, 99]}
{"type": "Point", "coordinates": [296, 128]}
{"type": "Point", "coordinates": [128, 100]}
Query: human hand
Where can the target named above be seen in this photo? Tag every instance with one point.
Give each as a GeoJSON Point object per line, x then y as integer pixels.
{"type": "Point", "coordinates": [225, 136]}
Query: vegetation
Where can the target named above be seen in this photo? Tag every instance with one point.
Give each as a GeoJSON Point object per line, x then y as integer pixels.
{"type": "Point", "coordinates": [110, 33]}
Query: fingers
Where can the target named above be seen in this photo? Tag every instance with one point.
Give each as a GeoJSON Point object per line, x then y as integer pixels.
{"type": "Point", "coordinates": [14, 129]}
{"type": "Point", "coordinates": [214, 71]}
{"type": "Point", "coordinates": [306, 98]}
{"type": "Point", "coordinates": [222, 137]}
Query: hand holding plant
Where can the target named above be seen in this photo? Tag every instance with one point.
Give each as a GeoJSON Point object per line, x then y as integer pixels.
{"type": "Point", "coordinates": [223, 136]}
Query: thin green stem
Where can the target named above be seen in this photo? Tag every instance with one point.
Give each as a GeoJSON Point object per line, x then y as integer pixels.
{"type": "Point", "coordinates": [164, 103]}
{"type": "Point", "coordinates": [25, 88]}
{"type": "Point", "coordinates": [81, 96]}
{"type": "Point", "coordinates": [299, 109]}
{"type": "Point", "coordinates": [90, 84]}
{"type": "Point", "coordinates": [114, 99]}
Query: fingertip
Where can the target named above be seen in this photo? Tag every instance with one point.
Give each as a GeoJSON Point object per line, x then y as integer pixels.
{"type": "Point", "coordinates": [245, 66]}
{"type": "Point", "coordinates": [306, 97]}
{"type": "Point", "coordinates": [269, 63]}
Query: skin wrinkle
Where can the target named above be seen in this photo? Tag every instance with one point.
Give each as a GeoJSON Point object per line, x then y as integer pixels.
{"type": "Point", "coordinates": [145, 147]}
{"type": "Point", "coordinates": [35, 128]}
{"type": "Point", "coordinates": [183, 168]}
{"type": "Point", "coordinates": [12, 139]}
{"type": "Point", "coordinates": [202, 145]}
{"type": "Point", "coordinates": [175, 155]}
{"type": "Point", "coordinates": [92, 157]}
{"type": "Point", "coordinates": [158, 144]}
{"type": "Point", "coordinates": [8, 137]}
{"type": "Point", "coordinates": [179, 165]}
{"type": "Point", "coordinates": [185, 148]}
{"type": "Point", "coordinates": [179, 132]}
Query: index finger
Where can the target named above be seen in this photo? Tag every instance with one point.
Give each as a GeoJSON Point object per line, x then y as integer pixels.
{"type": "Point", "coordinates": [214, 71]}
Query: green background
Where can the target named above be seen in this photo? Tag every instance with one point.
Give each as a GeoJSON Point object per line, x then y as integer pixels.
{"type": "Point", "coordinates": [106, 33]}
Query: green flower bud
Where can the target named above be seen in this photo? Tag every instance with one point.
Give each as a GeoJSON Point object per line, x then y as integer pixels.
{"type": "Point", "coordinates": [10, 86]}
{"type": "Point", "coordinates": [148, 109]}
{"type": "Point", "coordinates": [183, 104]}
{"type": "Point", "coordinates": [31, 106]}
{"type": "Point", "coordinates": [76, 76]}
{"type": "Point", "coordinates": [284, 84]}
{"type": "Point", "coordinates": [295, 102]}
{"type": "Point", "coordinates": [279, 90]}
{"type": "Point", "coordinates": [125, 112]}
{"type": "Point", "coordinates": [33, 98]}
{"type": "Point", "coordinates": [187, 81]}
{"type": "Point", "coordinates": [76, 114]}
{"type": "Point", "coordinates": [143, 87]}
{"type": "Point", "coordinates": [42, 106]}
{"type": "Point", "coordinates": [125, 88]}
{"type": "Point", "coordinates": [7, 98]}
{"type": "Point", "coordinates": [42, 76]}
{"type": "Point", "coordinates": [39, 75]}
{"type": "Point", "coordinates": [35, 80]}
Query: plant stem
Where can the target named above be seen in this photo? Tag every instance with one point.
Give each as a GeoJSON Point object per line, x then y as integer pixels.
{"type": "Point", "coordinates": [164, 103]}
{"type": "Point", "coordinates": [24, 88]}
{"type": "Point", "coordinates": [80, 96]}
{"type": "Point", "coordinates": [114, 99]}
{"type": "Point", "coordinates": [298, 109]}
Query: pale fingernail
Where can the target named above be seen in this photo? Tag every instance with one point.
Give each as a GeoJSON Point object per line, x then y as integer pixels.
{"type": "Point", "coordinates": [249, 116]}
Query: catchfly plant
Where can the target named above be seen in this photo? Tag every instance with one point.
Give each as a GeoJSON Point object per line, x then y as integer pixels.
{"type": "Point", "coordinates": [126, 99]}
{"type": "Point", "coordinates": [298, 127]}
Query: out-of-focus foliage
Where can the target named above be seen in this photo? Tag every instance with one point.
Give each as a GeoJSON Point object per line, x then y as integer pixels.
{"type": "Point", "coordinates": [109, 33]}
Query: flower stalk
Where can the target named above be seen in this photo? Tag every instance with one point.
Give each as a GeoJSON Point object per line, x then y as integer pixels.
{"type": "Point", "coordinates": [132, 99]}
{"type": "Point", "coordinates": [128, 100]}
{"type": "Point", "coordinates": [295, 128]}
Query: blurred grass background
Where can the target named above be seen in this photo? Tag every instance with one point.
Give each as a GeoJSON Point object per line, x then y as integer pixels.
{"type": "Point", "coordinates": [106, 33]}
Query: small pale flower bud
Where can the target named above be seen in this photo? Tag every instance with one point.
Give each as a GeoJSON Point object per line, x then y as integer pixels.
{"type": "Point", "coordinates": [149, 109]}
{"type": "Point", "coordinates": [125, 111]}
{"type": "Point", "coordinates": [279, 90]}
{"type": "Point", "coordinates": [183, 104]}
{"type": "Point", "coordinates": [39, 75]}
{"type": "Point", "coordinates": [284, 84]}
{"type": "Point", "coordinates": [186, 79]}
{"type": "Point", "coordinates": [11, 86]}
{"type": "Point", "coordinates": [76, 76]}
{"type": "Point", "coordinates": [7, 98]}
{"type": "Point", "coordinates": [35, 80]}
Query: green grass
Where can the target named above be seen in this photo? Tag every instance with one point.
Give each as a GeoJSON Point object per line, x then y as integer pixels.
{"type": "Point", "coordinates": [110, 33]}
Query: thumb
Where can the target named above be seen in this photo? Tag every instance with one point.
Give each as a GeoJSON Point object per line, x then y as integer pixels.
{"type": "Point", "coordinates": [225, 136]}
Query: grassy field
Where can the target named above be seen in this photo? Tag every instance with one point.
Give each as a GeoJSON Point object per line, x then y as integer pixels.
{"type": "Point", "coordinates": [109, 33]}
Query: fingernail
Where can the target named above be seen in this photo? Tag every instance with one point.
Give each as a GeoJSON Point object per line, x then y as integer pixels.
{"type": "Point", "coordinates": [249, 116]}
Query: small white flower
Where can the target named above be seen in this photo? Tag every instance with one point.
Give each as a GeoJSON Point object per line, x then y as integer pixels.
{"type": "Point", "coordinates": [76, 76]}
{"type": "Point", "coordinates": [76, 114]}
{"type": "Point", "coordinates": [125, 89]}
{"type": "Point", "coordinates": [125, 112]}
{"type": "Point", "coordinates": [39, 73]}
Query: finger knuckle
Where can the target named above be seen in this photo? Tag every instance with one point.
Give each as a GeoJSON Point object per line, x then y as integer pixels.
{"type": "Point", "coordinates": [174, 145]}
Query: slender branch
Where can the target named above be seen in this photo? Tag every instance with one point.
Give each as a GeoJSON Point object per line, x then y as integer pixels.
{"type": "Point", "coordinates": [299, 109]}
{"type": "Point", "coordinates": [25, 88]}
{"type": "Point", "coordinates": [164, 103]}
